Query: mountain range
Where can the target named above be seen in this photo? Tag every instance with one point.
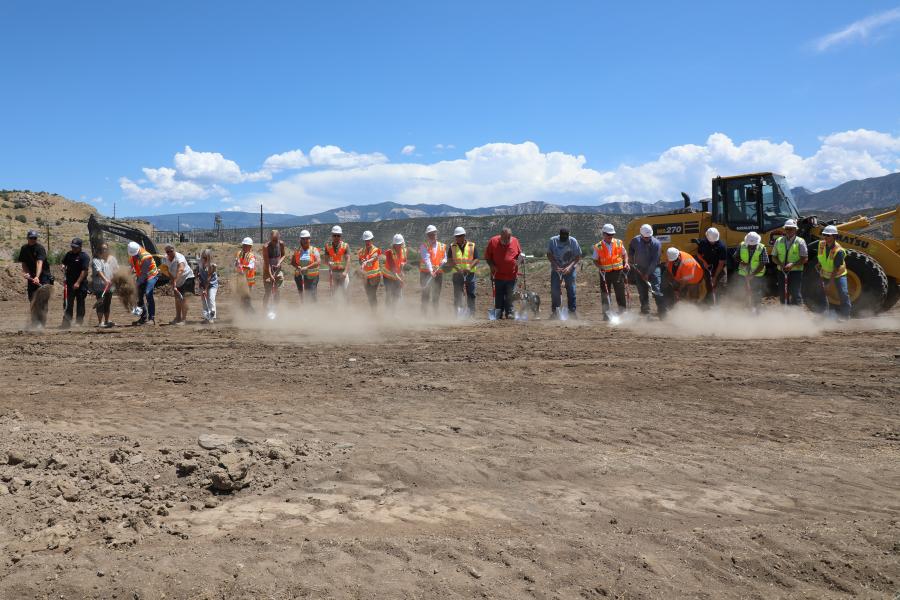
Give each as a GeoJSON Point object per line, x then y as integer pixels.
{"type": "Point", "coordinates": [852, 196]}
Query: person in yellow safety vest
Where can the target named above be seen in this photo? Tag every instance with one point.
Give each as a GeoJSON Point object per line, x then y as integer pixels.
{"type": "Point", "coordinates": [752, 260]}
{"type": "Point", "coordinates": [245, 264]}
{"type": "Point", "coordinates": [273, 255]}
{"type": "Point", "coordinates": [306, 261]}
{"type": "Point", "coordinates": [392, 271]}
{"type": "Point", "coordinates": [685, 274]}
{"type": "Point", "coordinates": [832, 268]}
{"type": "Point", "coordinates": [432, 259]}
{"type": "Point", "coordinates": [146, 275]}
{"type": "Point", "coordinates": [337, 253]}
{"type": "Point", "coordinates": [369, 263]}
{"type": "Point", "coordinates": [462, 259]}
{"type": "Point", "coordinates": [612, 263]}
{"type": "Point", "coordinates": [790, 254]}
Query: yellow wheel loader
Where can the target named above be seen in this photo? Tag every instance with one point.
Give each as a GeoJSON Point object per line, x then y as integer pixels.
{"type": "Point", "coordinates": [762, 202]}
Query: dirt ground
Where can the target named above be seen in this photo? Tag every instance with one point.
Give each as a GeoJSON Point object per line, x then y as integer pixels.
{"type": "Point", "coordinates": [336, 455]}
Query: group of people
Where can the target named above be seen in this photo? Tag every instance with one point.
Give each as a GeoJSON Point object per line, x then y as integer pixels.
{"type": "Point", "coordinates": [641, 262]}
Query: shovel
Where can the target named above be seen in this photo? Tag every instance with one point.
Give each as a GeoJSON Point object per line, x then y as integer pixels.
{"type": "Point", "coordinates": [825, 296]}
{"type": "Point", "coordinates": [492, 312]}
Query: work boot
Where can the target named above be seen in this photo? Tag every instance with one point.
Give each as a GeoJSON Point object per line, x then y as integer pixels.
{"type": "Point", "coordinates": [139, 322]}
{"type": "Point", "coordinates": [554, 315]}
{"type": "Point", "coordinates": [65, 325]}
{"type": "Point", "coordinates": [606, 317]}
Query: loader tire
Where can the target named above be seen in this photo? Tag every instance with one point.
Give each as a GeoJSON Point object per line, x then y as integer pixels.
{"type": "Point", "coordinates": [893, 294]}
{"type": "Point", "coordinates": [870, 287]}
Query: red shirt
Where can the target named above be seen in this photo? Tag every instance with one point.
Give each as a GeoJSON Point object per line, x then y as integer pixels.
{"type": "Point", "coordinates": [504, 257]}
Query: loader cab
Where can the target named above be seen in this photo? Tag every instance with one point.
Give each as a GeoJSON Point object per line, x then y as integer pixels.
{"type": "Point", "coordinates": [758, 202]}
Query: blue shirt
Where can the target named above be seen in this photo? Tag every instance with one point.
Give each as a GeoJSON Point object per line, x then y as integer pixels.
{"type": "Point", "coordinates": [564, 252]}
{"type": "Point", "coordinates": [644, 256]}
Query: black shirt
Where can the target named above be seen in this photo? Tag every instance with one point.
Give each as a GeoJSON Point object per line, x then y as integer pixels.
{"type": "Point", "coordinates": [75, 264]}
{"type": "Point", "coordinates": [29, 255]}
{"type": "Point", "coordinates": [712, 253]}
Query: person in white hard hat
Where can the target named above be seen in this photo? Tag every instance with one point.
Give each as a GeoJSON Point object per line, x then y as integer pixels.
{"type": "Point", "coordinates": [832, 268]}
{"type": "Point", "coordinates": [245, 264]}
{"type": "Point", "coordinates": [790, 255]}
{"type": "Point", "coordinates": [370, 266]}
{"type": "Point", "coordinates": [612, 264]}
{"type": "Point", "coordinates": [461, 261]}
{"type": "Point", "coordinates": [564, 254]}
{"type": "Point", "coordinates": [273, 255]}
{"type": "Point", "coordinates": [684, 273]}
{"type": "Point", "coordinates": [752, 260]}
{"type": "Point", "coordinates": [146, 274]}
{"type": "Point", "coordinates": [432, 258]}
{"type": "Point", "coordinates": [306, 260]}
{"type": "Point", "coordinates": [392, 271]}
{"type": "Point", "coordinates": [713, 257]}
{"type": "Point", "coordinates": [644, 252]}
{"type": "Point", "coordinates": [337, 253]}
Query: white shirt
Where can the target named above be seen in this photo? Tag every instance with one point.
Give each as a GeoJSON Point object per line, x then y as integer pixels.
{"type": "Point", "coordinates": [186, 274]}
{"type": "Point", "coordinates": [426, 257]}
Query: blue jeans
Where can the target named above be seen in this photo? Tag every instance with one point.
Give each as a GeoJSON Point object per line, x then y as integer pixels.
{"type": "Point", "coordinates": [146, 289]}
{"type": "Point", "coordinates": [840, 283]}
{"type": "Point", "coordinates": [464, 283]}
{"type": "Point", "coordinates": [556, 281]}
{"type": "Point", "coordinates": [654, 278]}
{"type": "Point", "coordinates": [795, 283]}
{"type": "Point", "coordinates": [503, 300]}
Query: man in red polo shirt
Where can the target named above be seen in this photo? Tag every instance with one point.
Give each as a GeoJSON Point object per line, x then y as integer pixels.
{"type": "Point", "coordinates": [503, 254]}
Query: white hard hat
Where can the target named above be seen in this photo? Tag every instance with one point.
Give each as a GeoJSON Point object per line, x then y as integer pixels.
{"type": "Point", "coordinates": [712, 234]}
{"type": "Point", "coordinates": [459, 231]}
{"type": "Point", "coordinates": [304, 234]}
{"type": "Point", "coordinates": [752, 238]}
{"type": "Point", "coordinates": [790, 223]}
{"type": "Point", "coordinates": [672, 254]}
{"type": "Point", "coordinates": [247, 241]}
{"type": "Point", "coordinates": [830, 230]}
{"type": "Point", "coordinates": [608, 228]}
{"type": "Point", "coordinates": [336, 230]}
{"type": "Point", "coordinates": [646, 230]}
{"type": "Point", "coordinates": [430, 229]}
{"type": "Point", "coordinates": [367, 235]}
{"type": "Point", "coordinates": [398, 239]}
{"type": "Point", "coordinates": [133, 248]}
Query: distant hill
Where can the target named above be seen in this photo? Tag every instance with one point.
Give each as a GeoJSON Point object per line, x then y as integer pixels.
{"type": "Point", "coordinates": [390, 211]}
{"type": "Point", "coordinates": [21, 210]}
{"type": "Point", "coordinates": [854, 196]}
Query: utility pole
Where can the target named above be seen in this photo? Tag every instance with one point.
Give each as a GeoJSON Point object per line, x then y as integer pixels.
{"type": "Point", "coordinates": [114, 211]}
{"type": "Point", "coordinates": [48, 241]}
{"type": "Point", "coordinates": [260, 223]}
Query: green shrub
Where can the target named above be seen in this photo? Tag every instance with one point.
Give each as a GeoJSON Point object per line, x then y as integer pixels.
{"type": "Point", "coordinates": [18, 205]}
{"type": "Point", "coordinates": [21, 218]}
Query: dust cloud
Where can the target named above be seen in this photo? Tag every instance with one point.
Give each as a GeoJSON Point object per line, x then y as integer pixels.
{"type": "Point", "coordinates": [40, 303]}
{"type": "Point", "coordinates": [123, 282]}
{"type": "Point", "coordinates": [348, 324]}
{"type": "Point", "coordinates": [688, 320]}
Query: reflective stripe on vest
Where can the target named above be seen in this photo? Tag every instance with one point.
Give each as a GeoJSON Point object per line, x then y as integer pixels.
{"type": "Point", "coordinates": [336, 257]}
{"type": "Point", "coordinates": [372, 269]}
{"type": "Point", "coordinates": [315, 256]}
{"type": "Point", "coordinates": [611, 259]}
{"type": "Point", "coordinates": [793, 255]}
{"type": "Point", "coordinates": [138, 261]}
{"type": "Point", "coordinates": [393, 264]}
{"type": "Point", "coordinates": [753, 260]}
{"type": "Point", "coordinates": [689, 270]}
{"type": "Point", "coordinates": [463, 257]}
{"type": "Point", "coordinates": [436, 255]}
{"type": "Point", "coordinates": [826, 261]}
{"type": "Point", "coordinates": [244, 260]}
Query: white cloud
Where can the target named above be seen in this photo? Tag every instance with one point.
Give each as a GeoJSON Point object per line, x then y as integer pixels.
{"type": "Point", "coordinates": [161, 186]}
{"type": "Point", "coordinates": [506, 173]}
{"type": "Point", "coordinates": [333, 156]}
{"type": "Point", "coordinates": [408, 149]}
{"type": "Point", "coordinates": [294, 159]}
{"type": "Point", "coordinates": [208, 166]}
{"type": "Point", "coordinates": [858, 31]}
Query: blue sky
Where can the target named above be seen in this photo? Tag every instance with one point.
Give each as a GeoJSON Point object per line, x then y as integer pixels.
{"type": "Point", "coordinates": [616, 100]}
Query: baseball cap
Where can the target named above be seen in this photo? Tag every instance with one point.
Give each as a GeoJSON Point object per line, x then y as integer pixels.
{"type": "Point", "coordinates": [76, 242]}
{"type": "Point", "coordinates": [32, 234]}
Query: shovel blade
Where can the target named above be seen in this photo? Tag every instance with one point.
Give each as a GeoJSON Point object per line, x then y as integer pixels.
{"type": "Point", "coordinates": [492, 314]}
